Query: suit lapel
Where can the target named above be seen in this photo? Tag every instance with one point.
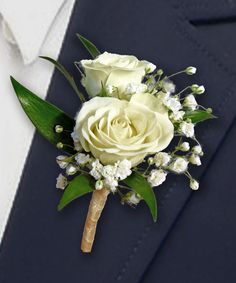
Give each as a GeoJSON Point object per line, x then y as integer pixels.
{"type": "Point", "coordinates": [42, 245]}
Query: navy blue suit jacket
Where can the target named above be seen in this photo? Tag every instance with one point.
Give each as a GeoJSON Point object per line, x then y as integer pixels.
{"type": "Point", "coordinates": [194, 237]}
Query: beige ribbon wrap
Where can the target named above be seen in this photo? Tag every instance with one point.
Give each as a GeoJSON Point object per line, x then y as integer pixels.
{"type": "Point", "coordinates": [97, 203]}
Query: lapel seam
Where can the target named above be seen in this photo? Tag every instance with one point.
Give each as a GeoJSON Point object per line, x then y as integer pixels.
{"type": "Point", "coordinates": [189, 8]}
{"type": "Point", "coordinates": [184, 21]}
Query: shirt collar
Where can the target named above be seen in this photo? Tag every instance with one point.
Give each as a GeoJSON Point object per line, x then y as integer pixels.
{"type": "Point", "coordinates": [27, 22]}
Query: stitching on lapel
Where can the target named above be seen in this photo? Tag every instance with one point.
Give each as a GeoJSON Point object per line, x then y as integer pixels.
{"type": "Point", "coordinates": [182, 21]}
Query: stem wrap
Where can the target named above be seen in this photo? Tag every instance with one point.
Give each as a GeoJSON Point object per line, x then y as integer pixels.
{"type": "Point", "coordinates": [97, 203]}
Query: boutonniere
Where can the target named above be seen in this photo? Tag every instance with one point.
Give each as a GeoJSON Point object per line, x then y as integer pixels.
{"type": "Point", "coordinates": [133, 129]}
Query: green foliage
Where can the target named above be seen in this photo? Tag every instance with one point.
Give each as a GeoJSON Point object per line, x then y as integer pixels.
{"type": "Point", "coordinates": [67, 75]}
{"type": "Point", "coordinates": [78, 187]}
{"type": "Point", "coordinates": [198, 116]}
{"type": "Point", "coordinates": [45, 117]}
{"type": "Point", "coordinates": [92, 49]}
{"type": "Point", "coordinates": [140, 185]}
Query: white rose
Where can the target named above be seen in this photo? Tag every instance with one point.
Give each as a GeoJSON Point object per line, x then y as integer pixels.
{"type": "Point", "coordinates": [113, 70]}
{"type": "Point", "coordinates": [113, 129]}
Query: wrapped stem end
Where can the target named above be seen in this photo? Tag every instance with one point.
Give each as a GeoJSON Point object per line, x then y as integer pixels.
{"type": "Point", "coordinates": [97, 203]}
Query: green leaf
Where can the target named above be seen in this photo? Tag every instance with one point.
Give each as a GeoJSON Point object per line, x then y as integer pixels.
{"type": "Point", "coordinates": [67, 75]}
{"type": "Point", "coordinates": [140, 185]}
{"type": "Point", "coordinates": [78, 187]}
{"type": "Point", "coordinates": [92, 49]}
{"type": "Point", "coordinates": [45, 117]}
{"type": "Point", "coordinates": [198, 116]}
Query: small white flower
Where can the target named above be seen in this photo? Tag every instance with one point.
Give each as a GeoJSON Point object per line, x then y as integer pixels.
{"type": "Point", "coordinates": [187, 129]}
{"type": "Point", "coordinates": [173, 104]}
{"type": "Point", "coordinates": [168, 86]}
{"type": "Point", "coordinates": [157, 177]}
{"type": "Point", "coordinates": [195, 159]}
{"type": "Point", "coordinates": [96, 171]}
{"type": "Point", "coordinates": [60, 161]}
{"type": "Point", "coordinates": [194, 185]}
{"type": "Point", "coordinates": [111, 183]}
{"type": "Point", "coordinates": [77, 144]}
{"type": "Point", "coordinates": [150, 160]}
{"type": "Point", "coordinates": [197, 149]}
{"type": "Point", "coordinates": [133, 88]}
{"type": "Point", "coordinates": [123, 169]}
{"type": "Point", "coordinates": [109, 89]}
{"type": "Point", "coordinates": [180, 165]}
{"type": "Point", "coordinates": [99, 185]}
{"type": "Point", "coordinates": [133, 198]}
{"type": "Point", "coordinates": [71, 169]}
{"type": "Point", "coordinates": [201, 89]}
{"type": "Point", "coordinates": [95, 174]}
{"type": "Point", "coordinates": [109, 171]}
{"type": "Point", "coordinates": [198, 89]}
{"type": "Point", "coordinates": [162, 159]}
{"type": "Point", "coordinates": [191, 70]}
{"type": "Point", "coordinates": [184, 146]}
{"type": "Point", "coordinates": [61, 182]}
{"type": "Point", "coordinates": [190, 102]}
{"type": "Point", "coordinates": [177, 116]}
{"type": "Point", "coordinates": [82, 158]}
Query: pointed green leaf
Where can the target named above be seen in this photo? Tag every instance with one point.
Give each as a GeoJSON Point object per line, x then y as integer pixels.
{"type": "Point", "coordinates": [92, 49]}
{"type": "Point", "coordinates": [198, 116]}
{"type": "Point", "coordinates": [78, 187]}
{"type": "Point", "coordinates": [140, 185]}
{"type": "Point", "coordinates": [67, 75]}
{"type": "Point", "coordinates": [45, 116]}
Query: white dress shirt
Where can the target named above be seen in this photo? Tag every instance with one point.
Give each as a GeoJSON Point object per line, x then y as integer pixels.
{"type": "Point", "coordinates": [27, 28]}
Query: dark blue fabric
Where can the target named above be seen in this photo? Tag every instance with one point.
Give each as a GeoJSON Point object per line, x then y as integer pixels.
{"type": "Point", "coordinates": [42, 245]}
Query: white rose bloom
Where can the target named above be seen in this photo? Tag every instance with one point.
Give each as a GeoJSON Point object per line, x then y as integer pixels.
{"type": "Point", "coordinates": [194, 185]}
{"type": "Point", "coordinates": [190, 102]}
{"type": "Point", "coordinates": [156, 177]}
{"type": "Point", "coordinates": [61, 182]}
{"type": "Point", "coordinates": [115, 70]}
{"type": "Point", "coordinates": [82, 158]}
{"type": "Point", "coordinates": [180, 165]}
{"type": "Point", "coordinates": [195, 159]}
{"type": "Point", "coordinates": [187, 129]}
{"type": "Point", "coordinates": [113, 129]}
{"type": "Point", "coordinates": [162, 159]}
